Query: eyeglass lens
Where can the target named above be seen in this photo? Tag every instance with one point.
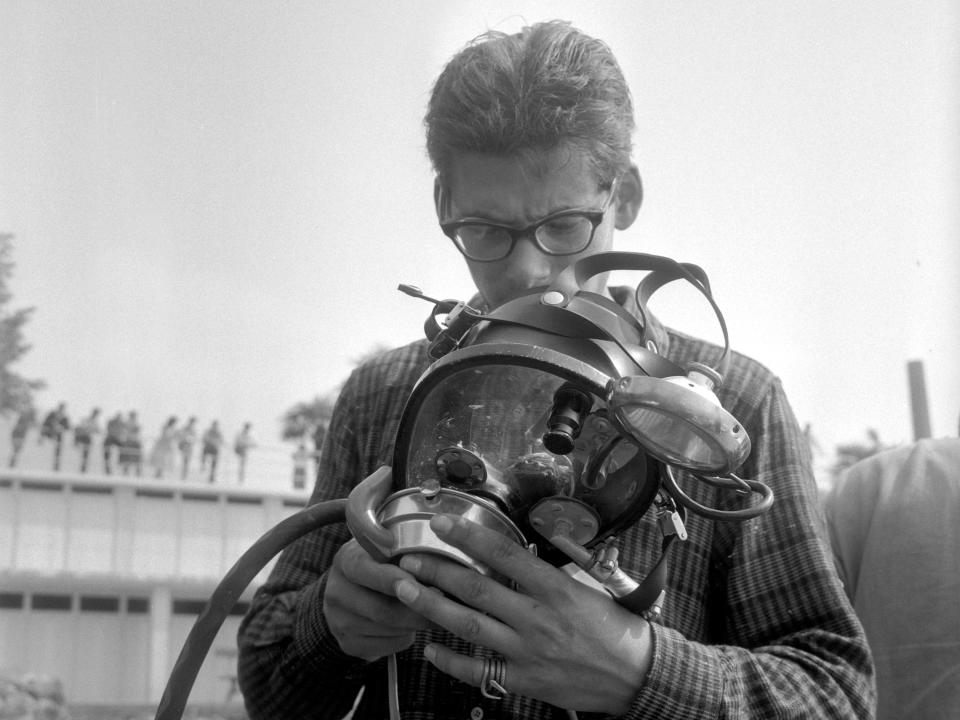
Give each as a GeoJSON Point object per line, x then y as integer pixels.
{"type": "Point", "coordinates": [558, 236]}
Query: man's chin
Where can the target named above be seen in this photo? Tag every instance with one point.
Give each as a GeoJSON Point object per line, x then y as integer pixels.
{"type": "Point", "coordinates": [493, 304]}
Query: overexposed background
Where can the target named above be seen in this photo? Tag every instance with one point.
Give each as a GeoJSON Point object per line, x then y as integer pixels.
{"type": "Point", "coordinates": [214, 202]}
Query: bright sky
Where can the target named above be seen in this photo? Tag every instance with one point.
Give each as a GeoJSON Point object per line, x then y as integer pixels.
{"type": "Point", "coordinates": [214, 202]}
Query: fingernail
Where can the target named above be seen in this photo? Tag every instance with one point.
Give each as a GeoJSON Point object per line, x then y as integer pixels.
{"type": "Point", "coordinates": [410, 563]}
{"type": "Point", "coordinates": [406, 591]}
{"type": "Point", "coordinates": [441, 524]}
{"type": "Point", "coordinates": [430, 653]}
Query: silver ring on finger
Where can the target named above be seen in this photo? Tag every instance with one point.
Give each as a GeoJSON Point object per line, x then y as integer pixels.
{"type": "Point", "coordinates": [492, 679]}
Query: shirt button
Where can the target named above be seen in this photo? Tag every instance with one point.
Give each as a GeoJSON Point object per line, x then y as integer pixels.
{"type": "Point", "coordinates": [476, 713]}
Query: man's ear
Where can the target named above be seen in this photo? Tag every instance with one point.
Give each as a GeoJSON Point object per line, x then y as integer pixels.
{"type": "Point", "coordinates": [629, 198]}
{"type": "Point", "coordinates": [438, 199]}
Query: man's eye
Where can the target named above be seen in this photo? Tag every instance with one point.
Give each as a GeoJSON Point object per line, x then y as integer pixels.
{"type": "Point", "coordinates": [478, 233]}
{"type": "Point", "coordinates": [570, 225]}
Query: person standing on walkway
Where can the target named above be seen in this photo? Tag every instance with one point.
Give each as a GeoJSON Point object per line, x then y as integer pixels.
{"type": "Point", "coordinates": [301, 465]}
{"type": "Point", "coordinates": [25, 420]}
{"type": "Point", "coordinates": [55, 425]}
{"type": "Point", "coordinates": [116, 431]}
{"type": "Point", "coordinates": [185, 441]}
{"type": "Point", "coordinates": [162, 454]}
{"type": "Point", "coordinates": [83, 435]}
{"type": "Point", "coordinates": [212, 440]}
{"type": "Point", "coordinates": [131, 452]}
{"type": "Point", "coordinates": [241, 446]}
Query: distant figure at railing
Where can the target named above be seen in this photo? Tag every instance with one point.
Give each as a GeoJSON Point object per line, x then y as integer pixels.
{"type": "Point", "coordinates": [25, 420]}
{"type": "Point", "coordinates": [83, 435]}
{"type": "Point", "coordinates": [55, 425]}
{"type": "Point", "coordinates": [185, 441]}
{"type": "Point", "coordinates": [302, 465]}
{"type": "Point", "coordinates": [241, 446]}
{"type": "Point", "coordinates": [163, 452]}
{"type": "Point", "coordinates": [114, 439]}
{"type": "Point", "coordinates": [212, 440]}
{"type": "Point", "coordinates": [301, 461]}
{"type": "Point", "coordinates": [131, 449]}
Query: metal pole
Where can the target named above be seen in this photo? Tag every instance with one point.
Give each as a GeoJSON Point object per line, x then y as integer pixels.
{"type": "Point", "coordinates": [918, 400]}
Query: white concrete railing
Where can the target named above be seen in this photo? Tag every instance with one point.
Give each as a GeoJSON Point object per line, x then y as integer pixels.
{"type": "Point", "coordinates": [122, 529]}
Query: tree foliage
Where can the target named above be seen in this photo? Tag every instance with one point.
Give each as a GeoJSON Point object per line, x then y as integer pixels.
{"type": "Point", "coordinates": [310, 419]}
{"type": "Point", "coordinates": [850, 453]}
{"type": "Point", "coordinates": [16, 392]}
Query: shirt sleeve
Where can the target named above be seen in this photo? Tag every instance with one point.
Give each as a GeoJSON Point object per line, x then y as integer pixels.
{"type": "Point", "coordinates": [789, 644]}
{"type": "Point", "coordinates": [290, 665]}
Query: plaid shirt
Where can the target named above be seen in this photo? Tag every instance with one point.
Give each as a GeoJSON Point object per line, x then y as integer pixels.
{"type": "Point", "coordinates": [755, 623]}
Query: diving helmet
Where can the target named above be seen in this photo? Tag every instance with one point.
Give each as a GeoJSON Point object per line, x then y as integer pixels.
{"type": "Point", "coordinates": [551, 419]}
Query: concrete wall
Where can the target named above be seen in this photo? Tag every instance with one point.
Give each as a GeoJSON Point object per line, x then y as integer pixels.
{"type": "Point", "coordinates": [101, 578]}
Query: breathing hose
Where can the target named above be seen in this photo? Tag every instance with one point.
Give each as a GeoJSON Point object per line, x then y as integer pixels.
{"type": "Point", "coordinates": [228, 591]}
{"type": "Point", "coordinates": [271, 543]}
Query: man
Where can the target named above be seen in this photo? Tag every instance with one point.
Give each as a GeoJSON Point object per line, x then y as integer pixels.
{"type": "Point", "coordinates": [115, 437]}
{"type": "Point", "coordinates": [301, 463]}
{"type": "Point", "coordinates": [241, 446]}
{"type": "Point", "coordinates": [131, 452]}
{"type": "Point", "coordinates": [83, 435]}
{"type": "Point", "coordinates": [520, 128]}
{"type": "Point", "coordinates": [25, 420]}
{"type": "Point", "coordinates": [185, 442]}
{"type": "Point", "coordinates": [894, 523]}
{"type": "Point", "coordinates": [54, 426]}
{"type": "Point", "coordinates": [210, 442]}
{"type": "Point", "coordinates": [164, 448]}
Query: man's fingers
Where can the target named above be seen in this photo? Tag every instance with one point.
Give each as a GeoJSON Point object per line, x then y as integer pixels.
{"type": "Point", "coordinates": [360, 591]}
{"type": "Point", "coordinates": [466, 623]}
{"type": "Point", "coordinates": [468, 585]}
{"type": "Point", "coordinates": [357, 566]}
{"type": "Point", "coordinates": [463, 668]}
{"type": "Point", "coordinates": [366, 612]}
{"type": "Point", "coordinates": [496, 550]}
{"type": "Point", "coordinates": [471, 669]}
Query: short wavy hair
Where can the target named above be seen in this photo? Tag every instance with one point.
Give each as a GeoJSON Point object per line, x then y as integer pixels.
{"type": "Point", "coordinates": [549, 86]}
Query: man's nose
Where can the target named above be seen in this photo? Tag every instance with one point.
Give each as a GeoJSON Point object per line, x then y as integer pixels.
{"type": "Point", "coordinates": [528, 261]}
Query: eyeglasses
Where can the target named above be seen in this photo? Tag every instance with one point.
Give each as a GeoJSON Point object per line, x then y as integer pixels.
{"type": "Point", "coordinates": [563, 233]}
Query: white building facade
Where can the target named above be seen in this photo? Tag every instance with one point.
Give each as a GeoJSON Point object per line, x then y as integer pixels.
{"type": "Point", "coordinates": [102, 578]}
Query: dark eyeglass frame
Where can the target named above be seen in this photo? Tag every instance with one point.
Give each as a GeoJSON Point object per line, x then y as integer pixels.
{"type": "Point", "coordinates": [594, 217]}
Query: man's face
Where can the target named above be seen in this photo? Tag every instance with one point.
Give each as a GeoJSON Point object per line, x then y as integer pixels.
{"type": "Point", "coordinates": [507, 192]}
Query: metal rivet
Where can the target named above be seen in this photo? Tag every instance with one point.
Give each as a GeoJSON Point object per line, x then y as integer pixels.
{"type": "Point", "coordinates": [554, 297]}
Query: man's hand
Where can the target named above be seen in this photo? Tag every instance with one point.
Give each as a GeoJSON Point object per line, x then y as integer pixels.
{"type": "Point", "coordinates": [360, 606]}
{"type": "Point", "coordinates": [564, 643]}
